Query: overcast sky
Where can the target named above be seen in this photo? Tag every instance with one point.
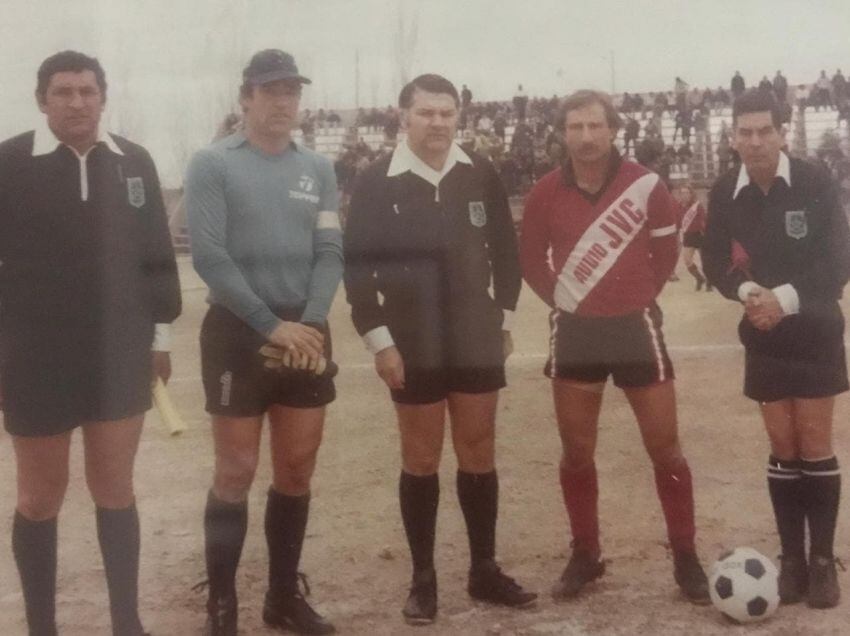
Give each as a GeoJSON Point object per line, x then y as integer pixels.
{"type": "Point", "coordinates": [173, 66]}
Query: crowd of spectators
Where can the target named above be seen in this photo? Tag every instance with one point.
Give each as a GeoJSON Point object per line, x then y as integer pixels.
{"type": "Point", "coordinates": [535, 145]}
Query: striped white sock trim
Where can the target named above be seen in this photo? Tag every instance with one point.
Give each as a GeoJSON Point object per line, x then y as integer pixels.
{"type": "Point", "coordinates": [791, 477]}
{"type": "Point", "coordinates": [817, 459]}
{"type": "Point", "coordinates": [822, 473]}
{"type": "Point", "coordinates": [653, 333]}
{"type": "Point", "coordinates": [779, 469]}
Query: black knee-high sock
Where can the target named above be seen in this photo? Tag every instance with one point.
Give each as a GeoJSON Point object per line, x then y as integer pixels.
{"type": "Point", "coordinates": [286, 523]}
{"type": "Point", "coordinates": [479, 500]}
{"type": "Point", "coordinates": [225, 525]}
{"type": "Point", "coordinates": [784, 482]}
{"type": "Point", "coordinates": [118, 535]}
{"type": "Point", "coordinates": [34, 547]}
{"type": "Point", "coordinates": [821, 487]}
{"type": "Point", "coordinates": [419, 497]}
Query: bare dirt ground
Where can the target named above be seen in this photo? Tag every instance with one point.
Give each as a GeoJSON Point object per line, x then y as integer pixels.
{"type": "Point", "coordinates": [355, 552]}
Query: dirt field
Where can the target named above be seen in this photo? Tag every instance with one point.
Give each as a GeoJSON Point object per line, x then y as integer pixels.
{"type": "Point", "coordinates": [355, 553]}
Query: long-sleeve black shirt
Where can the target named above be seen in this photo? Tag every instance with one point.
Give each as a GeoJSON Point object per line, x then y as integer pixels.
{"type": "Point", "coordinates": [88, 249]}
{"type": "Point", "coordinates": [797, 235]}
{"type": "Point", "coordinates": [431, 252]}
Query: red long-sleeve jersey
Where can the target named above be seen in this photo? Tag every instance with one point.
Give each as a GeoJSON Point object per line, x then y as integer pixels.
{"type": "Point", "coordinates": [611, 252]}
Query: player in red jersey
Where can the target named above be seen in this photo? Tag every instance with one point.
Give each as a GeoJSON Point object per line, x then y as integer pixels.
{"type": "Point", "coordinates": [692, 227]}
{"type": "Point", "coordinates": [612, 231]}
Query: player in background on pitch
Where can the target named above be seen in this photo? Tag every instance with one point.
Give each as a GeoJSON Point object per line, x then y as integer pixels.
{"type": "Point", "coordinates": [266, 238]}
{"type": "Point", "coordinates": [429, 230]}
{"type": "Point", "coordinates": [88, 285]}
{"type": "Point", "coordinates": [777, 241]}
{"type": "Point", "coordinates": [691, 229]}
{"type": "Point", "coordinates": [611, 228]}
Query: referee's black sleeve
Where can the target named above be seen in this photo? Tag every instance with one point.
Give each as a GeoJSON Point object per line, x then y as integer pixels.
{"type": "Point", "coordinates": [825, 275]}
{"type": "Point", "coordinates": [716, 251]}
{"type": "Point", "coordinates": [362, 229]}
{"type": "Point", "coordinates": [502, 244]}
{"type": "Point", "coordinates": [158, 263]}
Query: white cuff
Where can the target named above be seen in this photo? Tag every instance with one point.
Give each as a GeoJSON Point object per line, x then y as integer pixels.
{"type": "Point", "coordinates": [507, 319]}
{"type": "Point", "coordinates": [745, 288]}
{"type": "Point", "coordinates": [328, 220]}
{"type": "Point", "coordinates": [161, 337]}
{"type": "Point", "coordinates": [378, 339]}
{"type": "Point", "coordinates": [788, 298]}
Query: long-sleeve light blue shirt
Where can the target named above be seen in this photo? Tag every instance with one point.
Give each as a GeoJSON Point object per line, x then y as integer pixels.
{"type": "Point", "coordinates": [265, 230]}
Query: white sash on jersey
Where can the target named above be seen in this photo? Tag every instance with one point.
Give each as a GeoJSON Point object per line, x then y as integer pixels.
{"type": "Point", "coordinates": [689, 217]}
{"type": "Point", "coordinates": [603, 242]}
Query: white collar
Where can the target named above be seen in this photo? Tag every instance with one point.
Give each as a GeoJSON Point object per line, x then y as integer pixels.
{"type": "Point", "coordinates": [45, 141]}
{"type": "Point", "coordinates": [783, 171]}
{"type": "Point", "coordinates": [404, 160]}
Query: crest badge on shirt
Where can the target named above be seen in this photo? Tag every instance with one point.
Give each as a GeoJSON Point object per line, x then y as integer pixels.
{"type": "Point", "coordinates": [477, 213]}
{"type": "Point", "coordinates": [796, 225]}
{"type": "Point", "coordinates": [136, 191]}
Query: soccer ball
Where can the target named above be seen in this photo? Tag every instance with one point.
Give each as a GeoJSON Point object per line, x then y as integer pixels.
{"type": "Point", "coordinates": [743, 585]}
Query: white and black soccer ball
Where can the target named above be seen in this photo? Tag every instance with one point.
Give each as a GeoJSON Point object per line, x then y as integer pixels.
{"type": "Point", "coordinates": [744, 585]}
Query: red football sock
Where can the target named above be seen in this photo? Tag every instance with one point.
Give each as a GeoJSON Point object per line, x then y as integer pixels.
{"type": "Point", "coordinates": [581, 493]}
{"type": "Point", "coordinates": [676, 493]}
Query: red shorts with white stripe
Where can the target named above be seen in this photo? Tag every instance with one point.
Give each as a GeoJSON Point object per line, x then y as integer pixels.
{"type": "Point", "coordinates": [588, 349]}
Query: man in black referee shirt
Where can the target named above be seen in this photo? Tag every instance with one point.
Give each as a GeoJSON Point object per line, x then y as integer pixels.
{"type": "Point", "coordinates": [87, 277]}
{"type": "Point", "coordinates": [777, 241]}
{"type": "Point", "coordinates": [429, 229]}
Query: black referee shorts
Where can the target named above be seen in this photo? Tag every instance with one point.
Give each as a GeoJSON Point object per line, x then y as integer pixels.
{"type": "Point", "coordinates": [54, 380]}
{"type": "Point", "coordinates": [802, 357]}
{"type": "Point", "coordinates": [455, 349]}
{"type": "Point", "coordinates": [630, 348]}
{"type": "Point", "coordinates": [236, 383]}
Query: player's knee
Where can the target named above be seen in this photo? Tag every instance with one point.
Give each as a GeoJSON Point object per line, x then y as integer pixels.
{"type": "Point", "coordinates": [293, 475]}
{"type": "Point", "coordinates": [293, 484]}
{"type": "Point", "coordinates": [113, 496]}
{"type": "Point", "coordinates": [475, 455]}
{"type": "Point", "coordinates": [234, 475]}
{"type": "Point", "coordinates": [421, 464]}
{"type": "Point", "coordinates": [42, 505]}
